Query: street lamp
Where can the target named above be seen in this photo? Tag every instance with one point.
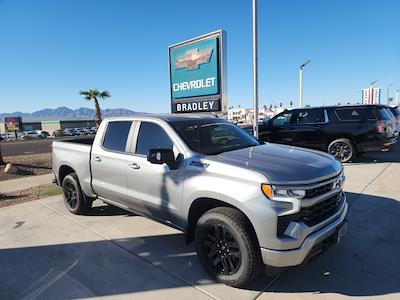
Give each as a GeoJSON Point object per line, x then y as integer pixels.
{"type": "Point", "coordinates": [301, 82]}
{"type": "Point", "coordinates": [397, 92]}
{"type": "Point", "coordinates": [255, 70]}
{"type": "Point", "coordinates": [387, 93]}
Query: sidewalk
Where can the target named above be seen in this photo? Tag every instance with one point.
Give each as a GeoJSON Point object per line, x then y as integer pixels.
{"type": "Point", "coordinates": [13, 185]}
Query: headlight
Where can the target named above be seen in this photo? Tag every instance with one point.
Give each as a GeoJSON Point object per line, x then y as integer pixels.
{"type": "Point", "coordinates": [287, 200]}
{"type": "Point", "coordinates": [272, 193]}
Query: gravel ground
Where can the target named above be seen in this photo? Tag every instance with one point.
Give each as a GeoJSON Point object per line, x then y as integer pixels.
{"type": "Point", "coordinates": [31, 194]}
{"type": "Point", "coordinates": [28, 165]}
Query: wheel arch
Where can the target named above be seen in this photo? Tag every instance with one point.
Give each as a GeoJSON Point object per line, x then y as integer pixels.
{"type": "Point", "coordinates": [63, 171]}
{"type": "Point", "coordinates": [199, 207]}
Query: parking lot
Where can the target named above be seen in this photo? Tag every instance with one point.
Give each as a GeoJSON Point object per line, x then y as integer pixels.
{"type": "Point", "coordinates": [46, 252]}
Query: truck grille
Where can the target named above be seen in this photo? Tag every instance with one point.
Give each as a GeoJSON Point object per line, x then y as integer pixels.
{"type": "Point", "coordinates": [319, 190]}
{"type": "Point", "coordinates": [317, 213]}
{"type": "Point", "coordinates": [311, 215]}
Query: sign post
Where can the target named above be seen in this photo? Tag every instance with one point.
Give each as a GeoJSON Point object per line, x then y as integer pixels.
{"type": "Point", "coordinates": [197, 70]}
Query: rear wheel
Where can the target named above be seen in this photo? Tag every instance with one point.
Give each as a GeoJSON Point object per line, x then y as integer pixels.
{"type": "Point", "coordinates": [342, 149]}
{"type": "Point", "coordinates": [227, 247]}
{"type": "Point", "coordinates": [74, 199]}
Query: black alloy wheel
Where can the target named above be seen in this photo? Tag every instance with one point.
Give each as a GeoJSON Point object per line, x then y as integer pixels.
{"type": "Point", "coordinates": [74, 199]}
{"type": "Point", "coordinates": [70, 194]}
{"type": "Point", "coordinates": [227, 246]}
{"type": "Point", "coordinates": [222, 249]}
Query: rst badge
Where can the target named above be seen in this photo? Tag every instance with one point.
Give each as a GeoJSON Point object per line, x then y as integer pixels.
{"type": "Point", "coordinates": [197, 80]}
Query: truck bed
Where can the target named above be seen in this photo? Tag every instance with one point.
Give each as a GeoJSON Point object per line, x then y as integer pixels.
{"type": "Point", "coordinates": [80, 140]}
{"type": "Point", "coordinates": [74, 153]}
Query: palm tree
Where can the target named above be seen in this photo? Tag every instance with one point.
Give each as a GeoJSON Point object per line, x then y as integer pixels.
{"type": "Point", "coordinates": [95, 95]}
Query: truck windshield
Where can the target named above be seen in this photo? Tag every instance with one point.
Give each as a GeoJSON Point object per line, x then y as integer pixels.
{"type": "Point", "coordinates": [213, 137]}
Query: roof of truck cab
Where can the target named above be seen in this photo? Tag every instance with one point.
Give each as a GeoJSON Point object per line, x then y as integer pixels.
{"type": "Point", "coordinates": [340, 106]}
{"type": "Point", "coordinates": [166, 117]}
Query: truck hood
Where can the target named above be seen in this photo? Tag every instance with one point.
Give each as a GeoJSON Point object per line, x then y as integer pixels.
{"type": "Point", "coordinates": [283, 164]}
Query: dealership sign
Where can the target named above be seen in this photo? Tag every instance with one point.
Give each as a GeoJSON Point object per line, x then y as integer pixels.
{"type": "Point", "coordinates": [371, 95]}
{"type": "Point", "coordinates": [13, 123]}
{"type": "Point", "coordinates": [197, 76]}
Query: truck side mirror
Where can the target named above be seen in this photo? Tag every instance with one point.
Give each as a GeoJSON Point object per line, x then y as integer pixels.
{"type": "Point", "coordinates": [161, 156]}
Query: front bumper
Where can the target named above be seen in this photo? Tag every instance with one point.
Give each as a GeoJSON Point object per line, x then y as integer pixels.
{"type": "Point", "coordinates": [294, 257]}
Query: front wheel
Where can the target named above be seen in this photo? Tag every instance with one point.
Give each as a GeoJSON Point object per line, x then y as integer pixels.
{"type": "Point", "coordinates": [227, 246]}
{"type": "Point", "coordinates": [342, 149]}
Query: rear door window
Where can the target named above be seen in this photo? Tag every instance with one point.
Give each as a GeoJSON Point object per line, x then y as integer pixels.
{"type": "Point", "coordinates": [354, 114]}
{"type": "Point", "coordinates": [116, 135]}
{"type": "Point", "coordinates": [152, 136]}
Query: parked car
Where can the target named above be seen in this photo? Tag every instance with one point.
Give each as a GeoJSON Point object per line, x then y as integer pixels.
{"type": "Point", "coordinates": [89, 131]}
{"type": "Point", "coordinates": [395, 110]}
{"type": "Point", "coordinates": [70, 132]}
{"type": "Point", "coordinates": [57, 133]}
{"type": "Point", "coordinates": [242, 202]}
{"type": "Point", "coordinates": [80, 131]}
{"type": "Point", "coordinates": [36, 134]}
{"type": "Point", "coordinates": [343, 131]}
{"type": "Point", "coordinates": [31, 134]}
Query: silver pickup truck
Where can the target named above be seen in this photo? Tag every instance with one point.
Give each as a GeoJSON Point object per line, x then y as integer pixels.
{"type": "Point", "coordinates": [245, 204]}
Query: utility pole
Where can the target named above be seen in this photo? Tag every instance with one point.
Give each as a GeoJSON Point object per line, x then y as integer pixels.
{"type": "Point", "coordinates": [255, 70]}
{"type": "Point", "coordinates": [301, 83]}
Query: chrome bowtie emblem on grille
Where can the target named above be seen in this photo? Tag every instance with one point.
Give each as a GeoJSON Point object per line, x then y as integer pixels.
{"type": "Point", "coordinates": [193, 58]}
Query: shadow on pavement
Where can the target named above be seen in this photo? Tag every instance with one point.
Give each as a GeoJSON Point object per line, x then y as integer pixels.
{"type": "Point", "coordinates": [108, 210]}
{"type": "Point", "coordinates": [366, 263]}
{"type": "Point", "coordinates": [392, 155]}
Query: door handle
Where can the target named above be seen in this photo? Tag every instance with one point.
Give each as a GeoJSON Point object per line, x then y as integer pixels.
{"type": "Point", "coordinates": [134, 166]}
{"type": "Point", "coordinates": [97, 158]}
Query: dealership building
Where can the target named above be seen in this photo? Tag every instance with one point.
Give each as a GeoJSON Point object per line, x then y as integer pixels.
{"type": "Point", "coordinates": [53, 125]}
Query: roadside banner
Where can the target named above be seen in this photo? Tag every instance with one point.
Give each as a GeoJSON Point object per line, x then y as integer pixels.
{"type": "Point", "coordinates": [197, 74]}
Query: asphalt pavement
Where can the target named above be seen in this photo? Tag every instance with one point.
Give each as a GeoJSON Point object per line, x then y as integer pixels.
{"type": "Point", "coordinates": [48, 253]}
{"type": "Point", "coordinates": [29, 147]}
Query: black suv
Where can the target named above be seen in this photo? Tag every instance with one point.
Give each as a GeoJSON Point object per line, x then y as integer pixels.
{"type": "Point", "coordinates": [342, 131]}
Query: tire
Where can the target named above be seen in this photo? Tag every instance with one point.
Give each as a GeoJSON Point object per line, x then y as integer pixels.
{"type": "Point", "coordinates": [74, 199]}
{"type": "Point", "coordinates": [227, 246]}
{"type": "Point", "coordinates": [342, 149]}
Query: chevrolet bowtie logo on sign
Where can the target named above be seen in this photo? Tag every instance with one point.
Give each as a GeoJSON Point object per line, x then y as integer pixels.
{"type": "Point", "coordinates": [196, 76]}
{"type": "Point", "coordinates": [193, 58]}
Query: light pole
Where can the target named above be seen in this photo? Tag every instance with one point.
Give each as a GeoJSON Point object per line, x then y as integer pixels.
{"type": "Point", "coordinates": [301, 83]}
{"type": "Point", "coordinates": [255, 70]}
{"type": "Point", "coordinates": [397, 93]}
{"type": "Point", "coordinates": [387, 93]}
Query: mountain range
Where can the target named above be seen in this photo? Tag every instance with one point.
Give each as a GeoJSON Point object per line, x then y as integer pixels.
{"type": "Point", "coordinates": [65, 113]}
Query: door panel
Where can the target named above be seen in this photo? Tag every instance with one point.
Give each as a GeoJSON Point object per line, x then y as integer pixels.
{"type": "Point", "coordinates": [308, 128]}
{"type": "Point", "coordinates": [109, 162]}
{"type": "Point", "coordinates": [109, 175]}
{"type": "Point", "coordinates": [155, 189]}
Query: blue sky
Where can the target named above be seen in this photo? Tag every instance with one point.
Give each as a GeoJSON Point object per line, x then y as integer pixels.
{"type": "Point", "coordinates": [52, 49]}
